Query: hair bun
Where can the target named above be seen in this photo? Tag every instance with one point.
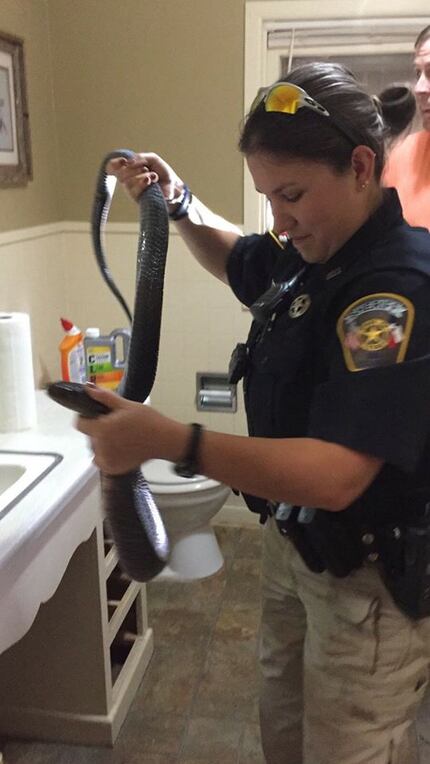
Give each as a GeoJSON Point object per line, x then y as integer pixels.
{"type": "Point", "coordinates": [397, 106]}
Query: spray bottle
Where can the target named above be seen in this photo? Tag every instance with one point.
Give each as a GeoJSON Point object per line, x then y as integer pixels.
{"type": "Point", "coordinates": [72, 353]}
{"type": "Point", "coordinates": [105, 357]}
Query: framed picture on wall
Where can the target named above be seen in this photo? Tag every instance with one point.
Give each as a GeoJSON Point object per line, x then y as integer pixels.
{"type": "Point", "coordinates": [15, 150]}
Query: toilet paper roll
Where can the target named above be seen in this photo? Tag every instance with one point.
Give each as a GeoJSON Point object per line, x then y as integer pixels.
{"type": "Point", "coordinates": [17, 394]}
{"type": "Point", "coordinates": [212, 399]}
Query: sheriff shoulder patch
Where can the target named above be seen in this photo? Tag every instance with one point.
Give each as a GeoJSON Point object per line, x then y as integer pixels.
{"type": "Point", "coordinates": [375, 330]}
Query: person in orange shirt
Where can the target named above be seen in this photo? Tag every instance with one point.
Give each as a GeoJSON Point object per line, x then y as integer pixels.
{"type": "Point", "coordinates": [408, 167]}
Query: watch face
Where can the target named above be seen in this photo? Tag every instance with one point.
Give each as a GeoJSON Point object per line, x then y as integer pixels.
{"type": "Point", "coordinates": [184, 470]}
{"type": "Point", "coordinates": [187, 468]}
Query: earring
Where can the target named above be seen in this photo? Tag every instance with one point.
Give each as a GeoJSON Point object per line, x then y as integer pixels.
{"type": "Point", "coordinates": [364, 185]}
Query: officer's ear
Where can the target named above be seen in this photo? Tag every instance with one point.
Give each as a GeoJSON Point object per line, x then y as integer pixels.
{"type": "Point", "coordinates": [363, 166]}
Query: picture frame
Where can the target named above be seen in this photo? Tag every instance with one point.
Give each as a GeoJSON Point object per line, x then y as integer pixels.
{"type": "Point", "coordinates": [15, 148]}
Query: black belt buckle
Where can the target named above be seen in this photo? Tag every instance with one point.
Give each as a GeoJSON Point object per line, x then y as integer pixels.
{"type": "Point", "coordinates": [238, 363]}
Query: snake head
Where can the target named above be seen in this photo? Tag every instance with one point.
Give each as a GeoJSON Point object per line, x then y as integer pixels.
{"type": "Point", "coordinates": [74, 396]}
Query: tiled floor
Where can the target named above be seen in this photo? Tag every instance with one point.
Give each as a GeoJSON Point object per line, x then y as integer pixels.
{"type": "Point", "coordinates": [197, 703]}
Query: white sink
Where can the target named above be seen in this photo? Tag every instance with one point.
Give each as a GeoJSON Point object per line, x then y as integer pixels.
{"type": "Point", "coordinates": [20, 471]}
{"type": "Point", "coordinates": [9, 474]}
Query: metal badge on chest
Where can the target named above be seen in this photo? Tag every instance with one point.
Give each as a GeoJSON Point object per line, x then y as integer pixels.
{"type": "Point", "coordinates": [299, 306]}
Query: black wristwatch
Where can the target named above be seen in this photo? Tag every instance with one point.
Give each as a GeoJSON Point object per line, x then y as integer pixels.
{"type": "Point", "coordinates": [188, 466]}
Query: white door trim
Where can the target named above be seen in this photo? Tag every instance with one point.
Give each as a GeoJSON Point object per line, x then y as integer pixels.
{"type": "Point", "coordinates": [263, 15]}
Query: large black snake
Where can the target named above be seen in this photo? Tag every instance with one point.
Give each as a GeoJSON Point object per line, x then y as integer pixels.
{"type": "Point", "coordinates": [135, 523]}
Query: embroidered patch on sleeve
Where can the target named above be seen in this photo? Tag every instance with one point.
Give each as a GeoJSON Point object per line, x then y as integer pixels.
{"type": "Point", "coordinates": [375, 330]}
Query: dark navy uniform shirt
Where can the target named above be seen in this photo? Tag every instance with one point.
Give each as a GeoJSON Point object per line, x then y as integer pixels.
{"type": "Point", "coordinates": [347, 358]}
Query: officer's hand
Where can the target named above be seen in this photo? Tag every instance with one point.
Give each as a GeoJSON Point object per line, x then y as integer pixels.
{"type": "Point", "coordinates": [129, 435]}
{"type": "Point", "coordinates": [139, 173]}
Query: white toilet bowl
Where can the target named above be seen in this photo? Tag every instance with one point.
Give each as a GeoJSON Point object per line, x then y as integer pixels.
{"type": "Point", "coordinates": [187, 505]}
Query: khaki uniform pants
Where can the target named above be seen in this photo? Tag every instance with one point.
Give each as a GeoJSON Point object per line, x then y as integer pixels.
{"type": "Point", "coordinates": [343, 670]}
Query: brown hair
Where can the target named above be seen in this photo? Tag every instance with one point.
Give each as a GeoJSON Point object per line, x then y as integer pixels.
{"type": "Point", "coordinates": [397, 105]}
{"type": "Point", "coordinates": [309, 135]}
{"type": "Point", "coordinates": [423, 36]}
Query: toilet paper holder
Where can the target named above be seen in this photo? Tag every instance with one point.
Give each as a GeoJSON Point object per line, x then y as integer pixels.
{"type": "Point", "coordinates": [214, 392]}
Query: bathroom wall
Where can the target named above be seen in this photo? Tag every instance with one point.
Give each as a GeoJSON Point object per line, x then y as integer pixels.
{"type": "Point", "coordinates": [31, 280]}
{"type": "Point", "coordinates": [201, 319]}
{"type": "Point", "coordinates": [100, 78]}
{"type": "Point", "coordinates": [162, 76]}
{"type": "Point", "coordinates": [37, 203]}
{"type": "Point", "coordinates": [53, 273]}
{"type": "Point", "coordinates": [30, 238]}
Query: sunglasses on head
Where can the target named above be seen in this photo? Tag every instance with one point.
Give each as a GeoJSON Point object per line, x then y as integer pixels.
{"type": "Point", "coordinates": [286, 98]}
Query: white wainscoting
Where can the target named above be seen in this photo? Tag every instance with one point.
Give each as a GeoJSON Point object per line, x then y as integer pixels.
{"type": "Point", "coordinates": [50, 271]}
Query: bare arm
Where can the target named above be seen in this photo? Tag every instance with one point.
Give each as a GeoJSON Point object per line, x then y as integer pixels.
{"type": "Point", "coordinates": [302, 471]}
{"type": "Point", "coordinates": [209, 237]}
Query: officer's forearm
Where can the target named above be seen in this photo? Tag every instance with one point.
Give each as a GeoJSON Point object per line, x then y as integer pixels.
{"type": "Point", "coordinates": [209, 237]}
{"type": "Point", "coordinates": [302, 471]}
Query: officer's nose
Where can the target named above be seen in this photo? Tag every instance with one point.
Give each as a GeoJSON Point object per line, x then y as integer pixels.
{"type": "Point", "coordinates": [282, 219]}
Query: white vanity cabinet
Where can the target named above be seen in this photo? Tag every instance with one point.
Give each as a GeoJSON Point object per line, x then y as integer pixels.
{"type": "Point", "coordinates": [74, 639]}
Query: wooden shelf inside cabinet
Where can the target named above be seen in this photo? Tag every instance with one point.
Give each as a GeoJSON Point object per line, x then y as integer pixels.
{"type": "Point", "coordinates": [124, 675]}
{"type": "Point", "coordinates": [120, 651]}
{"type": "Point", "coordinates": [121, 594]}
{"type": "Point", "coordinates": [121, 608]}
{"type": "Point", "coordinates": [129, 648]}
{"type": "Point", "coordinates": [111, 555]}
{"type": "Point", "coordinates": [111, 559]}
{"type": "Point", "coordinates": [73, 676]}
{"type": "Point", "coordinates": [129, 640]}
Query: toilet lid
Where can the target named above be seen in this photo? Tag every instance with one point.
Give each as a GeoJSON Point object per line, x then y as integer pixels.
{"type": "Point", "coordinates": [161, 473]}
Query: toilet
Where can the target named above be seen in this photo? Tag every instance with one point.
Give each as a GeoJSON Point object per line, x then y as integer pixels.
{"type": "Point", "coordinates": [187, 505]}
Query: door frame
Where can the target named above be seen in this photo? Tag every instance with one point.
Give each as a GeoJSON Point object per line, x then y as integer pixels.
{"type": "Point", "coordinates": [261, 16]}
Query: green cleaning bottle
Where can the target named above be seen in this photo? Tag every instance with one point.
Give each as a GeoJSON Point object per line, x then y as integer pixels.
{"type": "Point", "coordinates": [106, 356]}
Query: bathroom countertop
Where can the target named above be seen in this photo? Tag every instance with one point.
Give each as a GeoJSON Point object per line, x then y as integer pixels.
{"type": "Point", "coordinates": [40, 533]}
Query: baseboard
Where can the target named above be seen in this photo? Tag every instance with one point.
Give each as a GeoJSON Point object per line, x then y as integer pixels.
{"type": "Point", "coordinates": [231, 514]}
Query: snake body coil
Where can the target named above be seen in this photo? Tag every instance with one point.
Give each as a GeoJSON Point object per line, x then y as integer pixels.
{"type": "Point", "coordinates": [134, 520]}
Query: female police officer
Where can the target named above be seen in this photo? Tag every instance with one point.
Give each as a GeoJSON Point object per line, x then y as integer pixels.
{"type": "Point", "coordinates": [336, 369]}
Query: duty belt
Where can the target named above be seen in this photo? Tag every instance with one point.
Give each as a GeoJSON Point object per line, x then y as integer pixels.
{"type": "Point", "coordinates": [325, 540]}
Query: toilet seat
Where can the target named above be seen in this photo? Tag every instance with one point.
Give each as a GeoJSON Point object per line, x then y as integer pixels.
{"type": "Point", "coordinates": [162, 478]}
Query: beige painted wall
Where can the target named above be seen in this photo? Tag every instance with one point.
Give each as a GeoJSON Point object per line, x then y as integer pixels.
{"type": "Point", "coordinates": [141, 74]}
{"type": "Point", "coordinates": [38, 202]}
{"type": "Point", "coordinates": [154, 75]}
{"type": "Point", "coordinates": [185, 93]}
